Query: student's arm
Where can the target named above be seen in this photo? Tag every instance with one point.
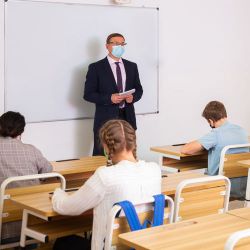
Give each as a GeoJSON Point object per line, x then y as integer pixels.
{"type": "Point", "coordinates": [87, 197]}
{"type": "Point", "coordinates": [192, 148]}
{"type": "Point", "coordinates": [207, 142]}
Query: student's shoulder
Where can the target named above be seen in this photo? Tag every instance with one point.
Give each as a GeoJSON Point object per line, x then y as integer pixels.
{"type": "Point", "coordinates": [103, 171]}
{"type": "Point", "coordinates": [232, 125]}
{"type": "Point", "coordinates": [31, 148]}
{"type": "Point", "coordinates": [149, 166]}
{"type": "Point", "coordinates": [243, 132]}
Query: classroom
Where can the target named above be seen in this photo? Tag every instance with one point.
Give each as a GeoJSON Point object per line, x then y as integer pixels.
{"type": "Point", "coordinates": [188, 53]}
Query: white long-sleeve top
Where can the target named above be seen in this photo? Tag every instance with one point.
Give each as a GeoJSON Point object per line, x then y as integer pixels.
{"type": "Point", "coordinates": [123, 181]}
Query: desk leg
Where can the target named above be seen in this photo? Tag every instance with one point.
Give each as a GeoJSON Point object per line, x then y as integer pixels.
{"type": "Point", "coordinates": [247, 203]}
{"type": "Point", "coordinates": [25, 231]}
{"type": "Point", "coordinates": [24, 225]}
{"type": "Point", "coordinates": [165, 169]}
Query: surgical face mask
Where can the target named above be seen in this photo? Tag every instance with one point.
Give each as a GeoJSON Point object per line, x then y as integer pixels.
{"type": "Point", "coordinates": [117, 51]}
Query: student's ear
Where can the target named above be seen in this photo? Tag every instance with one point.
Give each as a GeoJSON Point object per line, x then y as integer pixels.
{"type": "Point", "coordinates": [211, 122]}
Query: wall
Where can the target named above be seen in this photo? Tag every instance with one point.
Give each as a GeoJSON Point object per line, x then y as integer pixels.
{"type": "Point", "coordinates": [204, 55]}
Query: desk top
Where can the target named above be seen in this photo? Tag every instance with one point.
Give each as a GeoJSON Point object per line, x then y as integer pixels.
{"type": "Point", "coordinates": [83, 165]}
{"type": "Point", "coordinates": [241, 212]}
{"type": "Point", "coordinates": [208, 232]}
{"type": "Point", "coordinates": [170, 182]}
{"type": "Point", "coordinates": [38, 202]}
{"type": "Point", "coordinates": [245, 163]}
{"type": "Point", "coordinates": [174, 150]}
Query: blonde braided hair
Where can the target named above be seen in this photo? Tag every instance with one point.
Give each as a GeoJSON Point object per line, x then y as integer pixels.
{"type": "Point", "coordinates": [117, 135]}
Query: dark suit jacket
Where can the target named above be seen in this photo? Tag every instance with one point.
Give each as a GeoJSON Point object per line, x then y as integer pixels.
{"type": "Point", "coordinates": [100, 85]}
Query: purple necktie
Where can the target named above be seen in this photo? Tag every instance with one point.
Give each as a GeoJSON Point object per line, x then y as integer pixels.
{"type": "Point", "coordinates": [119, 77]}
{"type": "Point", "coordinates": [119, 82]}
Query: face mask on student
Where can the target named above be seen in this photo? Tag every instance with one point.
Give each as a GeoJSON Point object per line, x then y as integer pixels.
{"type": "Point", "coordinates": [117, 51]}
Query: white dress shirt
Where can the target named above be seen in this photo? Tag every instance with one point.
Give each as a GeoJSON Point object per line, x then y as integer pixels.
{"type": "Point", "coordinates": [123, 181]}
{"type": "Point", "coordinates": [123, 72]}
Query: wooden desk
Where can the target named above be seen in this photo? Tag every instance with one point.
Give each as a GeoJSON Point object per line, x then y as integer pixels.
{"type": "Point", "coordinates": [241, 212]}
{"type": "Point", "coordinates": [170, 182]}
{"type": "Point", "coordinates": [76, 172]}
{"type": "Point", "coordinates": [39, 205]}
{"type": "Point", "coordinates": [246, 164]}
{"type": "Point", "coordinates": [171, 157]}
{"type": "Point", "coordinates": [208, 232]}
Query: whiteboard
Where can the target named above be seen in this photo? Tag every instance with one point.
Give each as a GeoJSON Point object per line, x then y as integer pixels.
{"type": "Point", "coordinates": [48, 47]}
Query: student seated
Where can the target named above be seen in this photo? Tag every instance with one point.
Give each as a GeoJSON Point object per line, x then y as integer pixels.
{"type": "Point", "coordinates": [17, 159]}
{"type": "Point", "coordinates": [124, 178]}
{"type": "Point", "coordinates": [223, 133]}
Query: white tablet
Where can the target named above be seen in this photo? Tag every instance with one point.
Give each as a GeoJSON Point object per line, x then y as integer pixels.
{"type": "Point", "coordinates": [129, 92]}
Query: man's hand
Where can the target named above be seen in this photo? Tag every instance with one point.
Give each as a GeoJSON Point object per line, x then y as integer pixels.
{"type": "Point", "coordinates": [129, 98]}
{"type": "Point", "coordinates": [116, 98]}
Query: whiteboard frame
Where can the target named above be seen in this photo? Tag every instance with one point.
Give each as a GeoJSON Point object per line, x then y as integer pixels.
{"type": "Point", "coordinates": [3, 74]}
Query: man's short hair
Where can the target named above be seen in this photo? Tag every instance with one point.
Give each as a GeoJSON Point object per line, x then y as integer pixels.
{"type": "Point", "coordinates": [215, 111]}
{"type": "Point", "coordinates": [11, 124]}
{"type": "Point", "coordinates": [113, 35]}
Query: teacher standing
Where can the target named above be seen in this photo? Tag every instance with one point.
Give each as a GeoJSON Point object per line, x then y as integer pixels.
{"type": "Point", "coordinates": [105, 80]}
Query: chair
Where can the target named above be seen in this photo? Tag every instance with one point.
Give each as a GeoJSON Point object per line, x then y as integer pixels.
{"type": "Point", "coordinates": [235, 237]}
{"type": "Point", "coordinates": [228, 162]}
{"type": "Point", "coordinates": [10, 212]}
{"type": "Point", "coordinates": [201, 196]}
{"type": "Point", "coordinates": [117, 225]}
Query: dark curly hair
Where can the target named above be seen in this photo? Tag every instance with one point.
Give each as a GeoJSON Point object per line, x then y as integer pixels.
{"type": "Point", "coordinates": [11, 124]}
{"type": "Point", "coordinates": [117, 135]}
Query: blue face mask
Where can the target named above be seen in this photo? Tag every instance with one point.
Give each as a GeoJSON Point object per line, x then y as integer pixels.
{"type": "Point", "coordinates": [117, 51]}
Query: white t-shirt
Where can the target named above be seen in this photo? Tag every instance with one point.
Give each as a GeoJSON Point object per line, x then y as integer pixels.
{"type": "Point", "coordinates": [124, 181]}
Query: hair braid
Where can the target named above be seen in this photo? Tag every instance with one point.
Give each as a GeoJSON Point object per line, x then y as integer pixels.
{"type": "Point", "coordinates": [110, 144]}
{"type": "Point", "coordinates": [117, 135]}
